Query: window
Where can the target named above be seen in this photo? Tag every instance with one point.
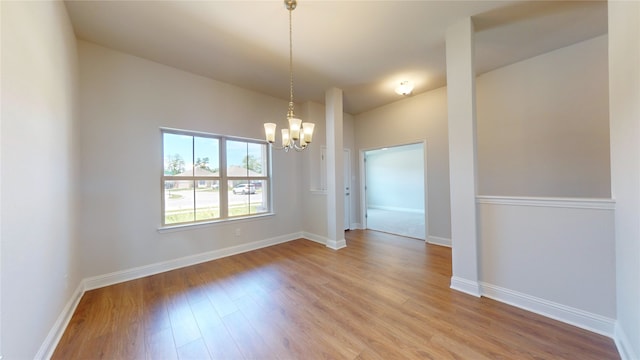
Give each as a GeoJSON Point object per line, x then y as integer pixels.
{"type": "Point", "coordinates": [210, 177]}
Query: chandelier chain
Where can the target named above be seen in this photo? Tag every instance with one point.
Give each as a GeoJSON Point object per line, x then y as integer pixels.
{"type": "Point", "coordinates": [290, 62]}
{"type": "Point", "coordinates": [299, 134]}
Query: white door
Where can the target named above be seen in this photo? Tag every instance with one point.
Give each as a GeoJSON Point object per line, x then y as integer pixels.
{"type": "Point", "coordinates": [347, 189]}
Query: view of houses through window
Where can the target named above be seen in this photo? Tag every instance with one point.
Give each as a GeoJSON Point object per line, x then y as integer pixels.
{"type": "Point", "coordinates": [211, 177]}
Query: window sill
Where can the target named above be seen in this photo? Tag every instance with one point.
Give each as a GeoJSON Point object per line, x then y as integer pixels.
{"type": "Point", "coordinates": [194, 226]}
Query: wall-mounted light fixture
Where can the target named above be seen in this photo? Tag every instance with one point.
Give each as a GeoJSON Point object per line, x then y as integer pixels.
{"type": "Point", "coordinates": [405, 88]}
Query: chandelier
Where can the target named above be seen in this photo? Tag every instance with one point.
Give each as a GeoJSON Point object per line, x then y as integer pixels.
{"type": "Point", "coordinates": [298, 136]}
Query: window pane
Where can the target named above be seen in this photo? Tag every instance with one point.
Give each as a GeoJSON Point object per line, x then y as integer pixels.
{"type": "Point", "coordinates": [207, 200]}
{"type": "Point", "coordinates": [246, 159]}
{"type": "Point", "coordinates": [196, 196]}
{"type": "Point", "coordinates": [247, 198]}
{"type": "Point", "coordinates": [260, 202]}
{"type": "Point", "coordinates": [206, 152]}
{"type": "Point", "coordinates": [256, 159]}
{"type": "Point", "coordinates": [239, 196]}
{"type": "Point", "coordinates": [178, 201]}
{"type": "Point", "coordinates": [178, 154]}
{"type": "Point", "coordinates": [236, 158]}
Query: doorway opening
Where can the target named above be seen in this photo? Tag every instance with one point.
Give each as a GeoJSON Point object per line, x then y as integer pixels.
{"type": "Point", "coordinates": [395, 190]}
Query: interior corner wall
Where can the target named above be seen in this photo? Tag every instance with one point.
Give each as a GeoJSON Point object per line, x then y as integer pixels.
{"type": "Point", "coordinates": [624, 92]}
{"type": "Point", "coordinates": [124, 101]}
{"type": "Point", "coordinates": [410, 120]}
{"type": "Point", "coordinates": [40, 270]}
{"type": "Point", "coordinates": [314, 206]}
{"type": "Point", "coordinates": [314, 203]}
{"type": "Point", "coordinates": [543, 139]}
{"type": "Point", "coordinates": [543, 125]}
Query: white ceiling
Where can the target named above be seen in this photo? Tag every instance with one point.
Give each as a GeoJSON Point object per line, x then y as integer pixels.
{"type": "Point", "coordinates": [363, 47]}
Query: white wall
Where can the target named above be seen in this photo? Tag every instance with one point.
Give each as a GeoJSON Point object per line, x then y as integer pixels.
{"type": "Point", "coordinates": [552, 256]}
{"type": "Point", "coordinates": [394, 182]}
{"type": "Point", "coordinates": [314, 205]}
{"type": "Point", "coordinates": [624, 94]}
{"type": "Point", "coordinates": [123, 103]}
{"type": "Point", "coordinates": [543, 126]}
{"type": "Point", "coordinates": [39, 173]}
{"type": "Point", "coordinates": [349, 142]}
{"type": "Point", "coordinates": [543, 141]}
{"type": "Point", "coordinates": [313, 195]}
{"type": "Point", "coordinates": [415, 119]}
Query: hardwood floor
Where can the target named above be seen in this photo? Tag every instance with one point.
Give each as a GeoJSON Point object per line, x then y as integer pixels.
{"type": "Point", "coordinates": [383, 297]}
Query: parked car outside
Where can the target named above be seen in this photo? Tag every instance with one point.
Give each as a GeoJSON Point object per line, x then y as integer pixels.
{"type": "Point", "coordinates": [244, 189]}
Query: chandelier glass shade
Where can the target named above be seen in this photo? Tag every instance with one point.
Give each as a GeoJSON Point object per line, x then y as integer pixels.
{"type": "Point", "coordinates": [299, 134]}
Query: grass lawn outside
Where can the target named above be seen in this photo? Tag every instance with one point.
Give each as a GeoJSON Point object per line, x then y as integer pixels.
{"type": "Point", "coordinates": [210, 213]}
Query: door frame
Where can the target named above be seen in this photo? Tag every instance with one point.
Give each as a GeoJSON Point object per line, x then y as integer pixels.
{"type": "Point", "coordinates": [363, 183]}
{"type": "Point", "coordinates": [348, 188]}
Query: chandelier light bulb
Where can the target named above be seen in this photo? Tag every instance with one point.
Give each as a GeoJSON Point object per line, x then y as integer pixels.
{"type": "Point", "coordinates": [298, 131]}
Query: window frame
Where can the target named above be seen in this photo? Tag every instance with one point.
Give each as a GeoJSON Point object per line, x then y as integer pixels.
{"type": "Point", "coordinates": [222, 178]}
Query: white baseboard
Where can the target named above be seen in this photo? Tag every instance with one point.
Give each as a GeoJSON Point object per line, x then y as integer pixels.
{"type": "Point", "coordinates": [315, 238]}
{"type": "Point", "coordinates": [331, 244]}
{"type": "Point", "coordinates": [355, 226]}
{"type": "Point", "coordinates": [436, 240]}
{"type": "Point", "coordinates": [623, 344]}
{"type": "Point", "coordinates": [55, 334]}
{"type": "Point", "coordinates": [337, 244]}
{"type": "Point", "coordinates": [157, 268]}
{"type": "Point", "coordinates": [465, 286]}
{"type": "Point", "coordinates": [593, 322]}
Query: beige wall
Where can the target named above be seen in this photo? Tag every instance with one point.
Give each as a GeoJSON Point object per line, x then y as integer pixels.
{"type": "Point", "coordinates": [543, 125]}
{"type": "Point", "coordinates": [39, 266]}
{"type": "Point", "coordinates": [415, 119]}
{"type": "Point", "coordinates": [124, 102]}
{"type": "Point", "coordinates": [624, 91]}
{"type": "Point", "coordinates": [542, 130]}
{"type": "Point", "coordinates": [314, 203]}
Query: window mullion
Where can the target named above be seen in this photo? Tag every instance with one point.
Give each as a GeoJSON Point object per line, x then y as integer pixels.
{"type": "Point", "coordinates": [193, 174]}
{"type": "Point", "coordinates": [224, 184]}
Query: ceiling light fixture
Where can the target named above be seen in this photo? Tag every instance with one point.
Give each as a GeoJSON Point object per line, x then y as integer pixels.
{"type": "Point", "coordinates": [297, 131]}
{"type": "Point", "coordinates": [405, 88]}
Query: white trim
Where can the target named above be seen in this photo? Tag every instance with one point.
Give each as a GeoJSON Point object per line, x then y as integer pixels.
{"type": "Point", "coordinates": [465, 286]}
{"type": "Point", "coordinates": [355, 226]}
{"type": "Point", "coordinates": [318, 191]}
{"type": "Point", "coordinates": [198, 225]}
{"type": "Point", "coordinates": [55, 334]}
{"type": "Point", "coordinates": [573, 203]}
{"type": "Point", "coordinates": [437, 240]}
{"type": "Point", "coordinates": [157, 268]}
{"type": "Point", "coordinates": [583, 319]}
{"type": "Point", "coordinates": [623, 344]}
{"type": "Point", "coordinates": [337, 244]}
{"type": "Point", "coordinates": [315, 238]}
{"type": "Point", "coordinates": [331, 244]}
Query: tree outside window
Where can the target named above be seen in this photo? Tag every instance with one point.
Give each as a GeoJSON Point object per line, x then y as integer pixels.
{"type": "Point", "coordinates": [196, 190]}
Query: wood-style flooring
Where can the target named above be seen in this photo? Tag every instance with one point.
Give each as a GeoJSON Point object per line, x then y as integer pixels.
{"type": "Point", "coordinates": [382, 297]}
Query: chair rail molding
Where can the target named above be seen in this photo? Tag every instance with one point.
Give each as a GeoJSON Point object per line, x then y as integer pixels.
{"type": "Point", "coordinates": [561, 202]}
